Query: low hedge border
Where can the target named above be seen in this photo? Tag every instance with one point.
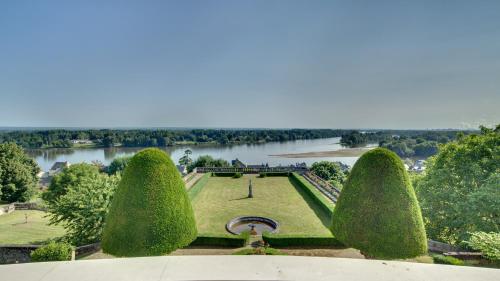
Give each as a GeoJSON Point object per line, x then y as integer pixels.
{"type": "Point", "coordinates": [314, 193]}
{"type": "Point", "coordinates": [222, 240]}
{"type": "Point", "coordinates": [289, 240]}
{"type": "Point", "coordinates": [224, 174]}
{"type": "Point", "coordinates": [198, 186]}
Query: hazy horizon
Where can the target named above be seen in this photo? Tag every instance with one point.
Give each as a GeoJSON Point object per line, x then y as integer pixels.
{"type": "Point", "coordinates": [250, 64]}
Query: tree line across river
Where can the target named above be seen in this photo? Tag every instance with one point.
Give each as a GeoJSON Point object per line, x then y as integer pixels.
{"type": "Point", "coordinates": [405, 143]}
{"type": "Point", "coordinates": [64, 138]}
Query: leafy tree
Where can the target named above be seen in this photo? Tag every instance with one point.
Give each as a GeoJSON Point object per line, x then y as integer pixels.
{"type": "Point", "coordinates": [208, 161]}
{"type": "Point", "coordinates": [330, 171]}
{"type": "Point", "coordinates": [377, 211]}
{"type": "Point", "coordinates": [460, 192]}
{"type": "Point", "coordinates": [17, 174]}
{"type": "Point", "coordinates": [151, 213]}
{"type": "Point", "coordinates": [69, 177]}
{"type": "Point", "coordinates": [118, 165]}
{"type": "Point", "coordinates": [83, 208]}
{"type": "Point", "coordinates": [186, 160]}
{"type": "Point", "coordinates": [487, 243]}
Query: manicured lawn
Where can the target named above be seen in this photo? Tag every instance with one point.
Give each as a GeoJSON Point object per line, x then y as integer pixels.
{"type": "Point", "coordinates": [14, 230]}
{"type": "Point", "coordinates": [223, 198]}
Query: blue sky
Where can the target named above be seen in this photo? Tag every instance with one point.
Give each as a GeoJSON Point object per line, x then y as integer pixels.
{"type": "Point", "coordinates": [329, 64]}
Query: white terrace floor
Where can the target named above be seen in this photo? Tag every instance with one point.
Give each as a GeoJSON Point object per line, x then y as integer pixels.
{"type": "Point", "coordinates": [240, 268]}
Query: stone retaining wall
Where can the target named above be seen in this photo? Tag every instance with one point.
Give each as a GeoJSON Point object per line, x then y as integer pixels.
{"type": "Point", "coordinates": [16, 253]}
{"type": "Point", "coordinates": [22, 253]}
{"type": "Point", "coordinates": [7, 209]}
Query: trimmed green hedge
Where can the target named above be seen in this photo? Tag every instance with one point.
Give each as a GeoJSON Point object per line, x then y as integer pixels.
{"type": "Point", "coordinates": [274, 174]}
{"type": "Point", "coordinates": [151, 212]}
{"type": "Point", "coordinates": [222, 240]}
{"type": "Point", "coordinates": [440, 259]}
{"type": "Point", "coordinates": [325, 204]}
{"type": "Point", "coordinates": [377, 211]}
{"type": "Point", "coordinates": [52, 252]}
{"type": "Point", "coordinates": [283, 241]}
{"type": "Point", "coordinates": [223, 174]}
{"type": "Point", "coordinates": [198, 186]}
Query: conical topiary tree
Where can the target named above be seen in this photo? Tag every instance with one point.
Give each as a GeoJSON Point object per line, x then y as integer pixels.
{"type": "Point", "coordinates": [377, 211]}
{"type": "Point", "coordinates": [150, 213]}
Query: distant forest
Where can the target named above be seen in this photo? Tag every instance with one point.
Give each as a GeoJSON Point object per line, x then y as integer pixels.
{"type": "Point", "coordinates": [157, 137]}
{"type": "Point", "coordinates": [404, 143]}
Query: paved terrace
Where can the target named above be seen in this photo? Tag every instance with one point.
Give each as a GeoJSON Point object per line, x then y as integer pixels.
{"type": "Point", "coordinates": [241, 268]}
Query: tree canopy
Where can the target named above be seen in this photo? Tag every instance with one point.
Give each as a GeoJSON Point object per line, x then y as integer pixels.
{"type": "Point", "coordinates": [377, 211]}
{"type": "Point", "coordinates": [83, 207]}
{"type": "Point", "coordinates": [208, 161]}
{"type": "Point", "coordinates": [118, 165]}
{"type": "Point", "coordinates": [330, 171]}
{"type": "Point", "coordinates": [71, 176]}
{"type": "Point", "coordinates": [17, 174]}
{"type": "Point", "coordinates": [460, 191]}
{"type": "Point", "coordinates": [151, 213]}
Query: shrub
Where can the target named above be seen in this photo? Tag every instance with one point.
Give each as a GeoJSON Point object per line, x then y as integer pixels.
{"type": "Point", "coordinates": [487, 243]}
{"type": "Point", "coordinates": [282, 241]}
{"type": "Point", "coordinates": [262, 175]}
{"type": "Point", "coordinates": [222, 240]}
{"type": "Point", "coordinates": [52, 252]}
{"type": "Point", "coordinates": [440, 259]}
{"type": "Point", "coordinates": [260, 251]}
{"type": "Point", "coordinates": [237, 175]}
{"type": "Point", "coordinates": [313, 193]}
{"type": "Point", "coordinates": [151, 213]}
{"type": "Point", "coordinates": [377, 211]}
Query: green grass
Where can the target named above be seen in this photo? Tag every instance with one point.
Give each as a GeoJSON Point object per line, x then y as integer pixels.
{"type": "Point", "coordinates": [223, 198]}
{"type": "Point", "coordinates": [14, 230]}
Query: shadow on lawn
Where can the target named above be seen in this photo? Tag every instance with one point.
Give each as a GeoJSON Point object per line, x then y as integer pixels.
{"type": "Point", "coordinates": [242, 198]}
{"type": "Point", "coordinates": [325, 218]}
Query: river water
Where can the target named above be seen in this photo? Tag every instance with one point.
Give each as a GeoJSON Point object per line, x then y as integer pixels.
{"type": "Point", "coordinates": [247, 153]}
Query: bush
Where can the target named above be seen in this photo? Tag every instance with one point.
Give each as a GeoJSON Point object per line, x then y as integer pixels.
{"type": "Point", "coordinates": [487, 243]}
{"type": "Point", "coordinates": [151, 213]}
{"type": "Point", "coordinates": [440, 259]}
{"type": "Point", "coordinates": [222, 240]}
{"type": "Point", "coordinates": [283, 241]}
{"type": "Point", "coordinates": [237, 175]}
{"type": "Point", "coordinates": [262, 175]}
{"type": "Point", "coordinates": [377, 211]}
{"type": "Point", "coordinates": [260, 251]}
{"type": "Point", "coordinates": [52, 252]}
{"type": "Point", "coordinates": [313, 193]}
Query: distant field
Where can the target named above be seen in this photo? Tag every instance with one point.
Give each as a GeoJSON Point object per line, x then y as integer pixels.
{"type": "Point", "coordinates": [14, 230]}
{"type": "Point", "coordinates": [223, 198]}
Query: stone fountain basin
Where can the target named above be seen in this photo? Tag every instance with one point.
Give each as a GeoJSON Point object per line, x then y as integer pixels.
{"type": "Point", "coordinates": [262, 224]}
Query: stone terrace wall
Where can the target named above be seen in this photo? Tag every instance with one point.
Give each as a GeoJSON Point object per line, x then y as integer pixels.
{"type": "Point", "coordinates": [16, 253]}
{"type": "Point", "coordinates": [7, 209]}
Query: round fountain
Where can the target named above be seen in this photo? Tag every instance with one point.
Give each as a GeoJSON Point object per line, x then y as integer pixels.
{"type": "Point", "coordinates": [252, 224]}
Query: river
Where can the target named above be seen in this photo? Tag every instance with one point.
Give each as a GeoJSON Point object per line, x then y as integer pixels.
{"type": "Point", "coordinates": [247, 153]}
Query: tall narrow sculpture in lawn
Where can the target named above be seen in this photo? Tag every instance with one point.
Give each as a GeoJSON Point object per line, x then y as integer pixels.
{"type": "Point", "coordinates": [250, 189]}
{"type": "Point", "coordinates": [151, 213]}
{"type": "Point", "coordinates": [377, 211]}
